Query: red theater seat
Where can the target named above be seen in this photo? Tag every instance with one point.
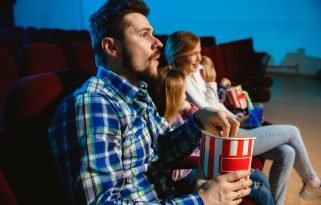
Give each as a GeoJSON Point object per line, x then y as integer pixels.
{"type": "Point", "coordinates": [37, 58]}
{"type": "Point", "coordinates": [8, 74]}
{"type": "Point", "coordinates": [82, 57]}
{"type": "Point", "coordinates": [215, 53]}
{"type": "Point", "coordinates": [6, 195]}
{"type": "Point", "coordinates": [24, 150]}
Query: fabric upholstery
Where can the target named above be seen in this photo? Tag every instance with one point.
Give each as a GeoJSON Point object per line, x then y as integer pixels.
{"type": "Point", "coordinates": [25, 153]}
{"type": "Point", "coordinates": [82, 57]}
{"type": "Point", "coordinates": [38, 58]}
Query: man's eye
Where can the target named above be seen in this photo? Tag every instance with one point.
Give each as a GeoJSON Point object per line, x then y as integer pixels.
{"type": "Point", "coordinates": [144, 35]}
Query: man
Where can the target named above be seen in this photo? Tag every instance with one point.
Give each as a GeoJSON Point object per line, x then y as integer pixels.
{"type": "Point", "coordinates": [108, 140]}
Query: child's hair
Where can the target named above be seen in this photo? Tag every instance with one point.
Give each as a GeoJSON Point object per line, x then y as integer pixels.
{"type": "Point", "coordinates": [207, 62]}
{"type": "Point", "coordinates": [167, 91]}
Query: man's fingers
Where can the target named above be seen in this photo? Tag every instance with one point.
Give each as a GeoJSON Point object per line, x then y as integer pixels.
{"type": "Point", "coordinates": [224, 124]}
{"type": "Point", "coordinates": [234, 126]}
{"type": "Point", "coordinates": [237, 175]}
{"type": "Point", "coordinates": [218, 122]}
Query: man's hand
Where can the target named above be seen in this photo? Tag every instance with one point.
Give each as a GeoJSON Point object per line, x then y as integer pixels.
{"type": "Point", "coordinates": [225, 189]}
{"type": "Point", "coordinates": [217, 122]}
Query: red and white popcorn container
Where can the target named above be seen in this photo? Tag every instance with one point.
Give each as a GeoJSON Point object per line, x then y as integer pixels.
{"type": "Point", "coordinates": [221, 155]}
{"type": "Point", "coordinates": [236, 97]}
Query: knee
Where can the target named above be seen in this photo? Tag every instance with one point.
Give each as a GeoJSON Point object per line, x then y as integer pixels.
{"type": "Point", "coordinates": [258, 176]}
{"type": "Point", "coordinates": [286, 154]}
{"type": "Point", "coordinates": [294, 131]}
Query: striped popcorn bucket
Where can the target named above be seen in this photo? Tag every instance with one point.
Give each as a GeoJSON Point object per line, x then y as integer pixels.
{"type": "Point", "coordinates": [220, 155]}
{"type": "Point", "coordinates": [236, 97]}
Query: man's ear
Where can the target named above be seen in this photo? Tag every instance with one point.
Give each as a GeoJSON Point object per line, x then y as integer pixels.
{"type": "Point", "coordinates": [109, 45]}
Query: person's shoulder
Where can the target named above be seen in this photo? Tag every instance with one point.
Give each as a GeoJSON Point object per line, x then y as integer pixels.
{"type": "Point", "coordinates": [95, 86]}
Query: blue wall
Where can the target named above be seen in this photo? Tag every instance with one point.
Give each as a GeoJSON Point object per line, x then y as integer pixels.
{"type": "Point", "coordinates": [278, 27]}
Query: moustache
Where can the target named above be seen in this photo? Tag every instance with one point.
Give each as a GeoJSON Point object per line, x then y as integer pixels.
{"type": "Point", "coordinates": [155, 55]}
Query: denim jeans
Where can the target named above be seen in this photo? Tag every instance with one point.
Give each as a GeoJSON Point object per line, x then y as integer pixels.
{"type": "Point", "coordinates": [260, 189]}
{"type": "Point", "coordinates": [283, 145]}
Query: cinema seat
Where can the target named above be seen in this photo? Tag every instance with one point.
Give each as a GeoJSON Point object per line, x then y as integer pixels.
{"type": "Point", "coordinates": [8, 74]}
{"type": "Point", "coordinates": [24, 150]}
{"type": "Point", "coordinates": [38, 58]}
{"type": "Point", "coordinates": [81, 57]}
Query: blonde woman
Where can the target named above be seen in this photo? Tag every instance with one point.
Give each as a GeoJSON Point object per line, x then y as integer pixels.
{"type": "Point", "coordinates": [281, 143]}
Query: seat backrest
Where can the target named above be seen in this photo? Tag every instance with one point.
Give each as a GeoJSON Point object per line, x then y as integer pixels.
{"type": "Point", "coordinates": [207, 41]}
{"type": "Point", "coordinates": [25, 151]}
{"type": "Point", "coordinates": [68, 37]}
{"type": "Point", "coordinates": [221, 71]}
{"type": "Point", "coordinates": [82, 57]}
{"type": "Point", "coordinates": [8, 74]}
{"type": "Point", "coordinates": [230, 61]}
{"type": "Point", "coordinates": [37, 58]}
{"type": "Point", "coordinates": [7, 64]}
{"type": "Point", "coordinates": [214, 52]}
{"type": "Point", "coordinates": [6, 195]}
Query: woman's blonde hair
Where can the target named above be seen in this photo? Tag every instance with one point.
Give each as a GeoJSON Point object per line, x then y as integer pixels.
{"type": "Point", "coordinates": [178, 44]}
{"type": "Point", "coordinates": [167, 91]}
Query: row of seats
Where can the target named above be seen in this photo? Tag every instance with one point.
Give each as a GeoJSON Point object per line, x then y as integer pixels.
{"type": "Point", "coordinates": [38, 58]}
{"type": "Point", "coordinates": [13, 38]}
{"type": "Point", "coordinates": [234, 60]}
{"type": "Point", "coordinates": [28, 98]}
{"type": "Point", "coordinates": [238, 61]}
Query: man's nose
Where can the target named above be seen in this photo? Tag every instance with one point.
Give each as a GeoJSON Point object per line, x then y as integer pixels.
{"type": "Point", "coordinates": [157, 44]}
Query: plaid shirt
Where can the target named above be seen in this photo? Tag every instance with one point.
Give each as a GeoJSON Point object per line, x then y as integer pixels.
{"type": "Point", "coordinates": [110, 145]}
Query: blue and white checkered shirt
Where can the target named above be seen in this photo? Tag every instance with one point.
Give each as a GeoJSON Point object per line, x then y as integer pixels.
{"type": "Point", "coordinates": [110, 145]}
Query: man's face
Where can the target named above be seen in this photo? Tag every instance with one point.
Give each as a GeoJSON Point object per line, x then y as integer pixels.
{"type": "Point", "coordinates": [140, 50]}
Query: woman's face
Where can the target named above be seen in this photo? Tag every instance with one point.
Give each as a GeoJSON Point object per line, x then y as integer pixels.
{"type": "Point", "coordinates": [190, 62]}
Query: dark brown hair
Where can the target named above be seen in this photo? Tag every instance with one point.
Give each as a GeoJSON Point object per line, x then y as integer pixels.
{"type": "Point", "coordinates": [108, 22]}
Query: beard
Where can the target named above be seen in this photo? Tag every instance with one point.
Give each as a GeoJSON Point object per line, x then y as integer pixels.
{"type": "Point", "coordinates": [141, 72]}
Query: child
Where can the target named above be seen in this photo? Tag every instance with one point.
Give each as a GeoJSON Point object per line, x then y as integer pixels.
{"type": "Point", "coordinates": [224, 84]}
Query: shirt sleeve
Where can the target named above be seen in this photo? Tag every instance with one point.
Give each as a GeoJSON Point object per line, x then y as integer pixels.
{"type": "Point", "coordinates": [205, 96]}
{"type": "Point", "coordinates": [99, 143]}
{"type": "Point", "coordinates": [178, 143]}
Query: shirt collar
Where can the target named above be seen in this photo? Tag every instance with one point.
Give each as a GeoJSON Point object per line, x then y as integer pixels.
{"type": "Point", "coordinates": [121, 86]}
